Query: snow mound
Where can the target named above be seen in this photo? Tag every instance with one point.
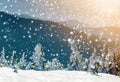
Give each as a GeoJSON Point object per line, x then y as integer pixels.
{"type": "Point", "coordinates": [7, 75]}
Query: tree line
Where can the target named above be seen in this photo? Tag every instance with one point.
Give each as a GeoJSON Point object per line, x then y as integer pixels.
{"type": "Point", "coordinates": [107, 62]}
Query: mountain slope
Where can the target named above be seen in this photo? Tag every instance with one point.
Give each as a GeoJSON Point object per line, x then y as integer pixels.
{"type": "Point", "coordinates": [107, 32]}
{"type": "Point", "coordinates": [21, 35]}
{"type": "Point", "coordinates": [75, 24]}
{"type": "Point", "coordinates": [7, 75]}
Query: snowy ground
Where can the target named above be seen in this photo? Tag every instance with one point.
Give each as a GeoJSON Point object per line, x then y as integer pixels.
{"type": "Point", "coordinates": [7, 75]}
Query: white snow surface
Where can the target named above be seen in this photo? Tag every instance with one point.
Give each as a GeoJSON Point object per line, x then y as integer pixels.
{"type": "Point", "coordinates": [7, 75]}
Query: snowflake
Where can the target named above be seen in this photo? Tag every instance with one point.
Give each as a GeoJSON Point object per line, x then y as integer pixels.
{"type": "Point", "coordinates": [32, 21]}
{"type": "Point", "coordinates": [5, 36]}
{"type": "Point", "coordinates": [51, 35]}
{"type": "Point", "coordinates": [69, 40]}
{"type": "Point", "coordinates": [71, 33]}
{"type": "Point", "coordinates": [30, 36]}
{"type": "Point", "coordinates": [24, 36]}
{"type": "Point", "coordinates": [40, 27]}
{"type": "Point", "coordinates": [109, 40]}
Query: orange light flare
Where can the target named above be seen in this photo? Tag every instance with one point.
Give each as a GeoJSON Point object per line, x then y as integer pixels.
{"type": "Point", "coordinates": [97, 12]}
{"type": "Point", "coordinates": [104, 12]}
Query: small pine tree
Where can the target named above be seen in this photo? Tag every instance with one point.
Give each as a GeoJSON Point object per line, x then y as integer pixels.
{"type": "Point", "coordinates": [111, 62]}
{"type": "Point", "coordinates": [3, 61]}
{"type": "Point", "coordinates": [48, 66]}
{"type": "Point", "coordinates": [22, 63]}
{"type": "Point", "coordinates": [94, 62]}
{"type": "Point", "coordinates": [76, 60]}
{"type": "Point", "coordinates": [85, 64]}
{"type": "Point", "coordinates": [38, 58]}
{"type": "Point", "coordinates": [103, 62]}
{"type": "Point", "coordinates": [12, 60]}
{"type": "Point", "coordinates": [54, 65]}
{"type": "Point", "coordinates": [29, 66]}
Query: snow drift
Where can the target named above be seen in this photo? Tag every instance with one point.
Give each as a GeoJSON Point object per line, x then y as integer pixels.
{"type": "Point", "coordinates": [7, 75]}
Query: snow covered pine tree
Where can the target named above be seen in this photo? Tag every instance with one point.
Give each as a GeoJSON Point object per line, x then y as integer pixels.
{"type": "Point", "coordinates": [94, 62]}
{"type": "Point", "coordinates": [3, 61]}
{"type": "Point", "coordinates": [112, 66]}
{"type": "Point", "coordinates": [54, 65]}
{"type": "Point", "coordinates": [38, 60]}
{"type": "Point", "coordinates": [22, 63]}
{"type": "Point", "coordinates": [75, 58]}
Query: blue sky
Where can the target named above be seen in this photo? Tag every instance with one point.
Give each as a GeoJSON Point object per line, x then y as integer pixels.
{"type": "Point", "coordinates": [40, 9]}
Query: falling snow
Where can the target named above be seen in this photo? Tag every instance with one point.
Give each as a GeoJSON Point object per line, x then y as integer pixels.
{"type": "Point", "coordinates": [47, 35]}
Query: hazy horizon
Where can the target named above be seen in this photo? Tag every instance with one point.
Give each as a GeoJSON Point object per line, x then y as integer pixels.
{"type": "Point", "coordinates": [96, 13]}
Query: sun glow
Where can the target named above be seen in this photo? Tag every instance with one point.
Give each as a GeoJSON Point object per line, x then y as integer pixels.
{"type": "Point", "coordinates": [108, 6]}
{"type": "Point", "coordinates": [102, 12]}
{"type": "Point", "coordinates": [94, 13]}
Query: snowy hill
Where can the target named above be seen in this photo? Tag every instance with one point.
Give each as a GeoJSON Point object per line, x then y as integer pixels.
{"type": "Point", "coordinates": [24, 16]}
{"type": "Point", "coordinates": [74, 24]}
{"type": "Point", "coordinates": [7, 75]}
